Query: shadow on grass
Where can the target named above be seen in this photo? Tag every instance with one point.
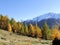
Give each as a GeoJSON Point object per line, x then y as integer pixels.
{"type": "Point", "coordinates": [56, 42]}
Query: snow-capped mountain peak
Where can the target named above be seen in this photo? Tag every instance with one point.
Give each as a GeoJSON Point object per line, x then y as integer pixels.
{"type": "Point", "coordinates": [46, 16]}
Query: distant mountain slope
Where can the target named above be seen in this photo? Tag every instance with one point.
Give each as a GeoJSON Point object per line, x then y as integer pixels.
{"type": "Point", "coordinates": [50, 22]}
{"type": "Point", "coordinates": [50, 18]}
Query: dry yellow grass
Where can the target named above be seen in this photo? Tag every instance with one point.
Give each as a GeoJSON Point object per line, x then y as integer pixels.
{"type": "Point", "coordinates": [9, 38]}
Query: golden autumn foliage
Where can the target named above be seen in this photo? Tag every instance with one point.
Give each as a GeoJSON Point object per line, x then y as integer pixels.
{"type": "Point", "coordinates": [44, 32]}
{"type": "Point", "coordinates": [19, 25]}
{"type": "Point", "coordinates": [22, 29]}
{"type": "Point", "coordinates": [3, 22]}
{"type": "Point", "coordinates": [9, 28]}
{"type": "Point", "coordinates": [58, 36]}
{"type": "Point", "coordinates": [55, 32]}
{"type": "Point", "coordinates": [38, 31]}
{"type": "Point", "coordinates": [31, 30]}
{"type": "Point", "coordinates": [25, 29]}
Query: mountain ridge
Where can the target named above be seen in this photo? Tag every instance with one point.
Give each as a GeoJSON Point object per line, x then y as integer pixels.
{"type": "Point", "coordinates": [50, 18]}
{"type": "Point", "coordinates": [46, 16]}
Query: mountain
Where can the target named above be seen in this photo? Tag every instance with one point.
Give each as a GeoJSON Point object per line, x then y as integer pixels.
{"type": "Point", "coordinates": [51, 22]}
{"type": "Point", "coordinates": [50, 18]}
{"type": "Point", "coordinates": [46, 16]}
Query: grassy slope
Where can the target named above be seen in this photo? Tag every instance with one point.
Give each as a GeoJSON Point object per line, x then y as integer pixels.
{"type": "Point", "coordinates": [7, 38]}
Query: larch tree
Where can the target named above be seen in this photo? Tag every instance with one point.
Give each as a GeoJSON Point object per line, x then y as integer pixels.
{"type": "Point", "coordinates": [31, 30]}
{"type": "Point", "coordinates": [19, 27]}
{"type": "Point", "coordinates": [3, 22]}
{"type": "Point", "coordinates": [14, 25]}
{"type": "Point", "coordinates": [55, 32]}
{"type": "Point", "coordinates": [38, 31]}
{"type": "Point", "coordinates": [26, 29]}
{"type": "Point", "coordinates": [22, 29]}
{"type": "Point", "coordinates": [9, 27]}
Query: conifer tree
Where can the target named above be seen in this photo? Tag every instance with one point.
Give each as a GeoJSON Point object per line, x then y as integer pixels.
{"type": "Point", "coordinates": [9, 27]}
{"type": "Point", "coordinates": [14, 25]}
{"type": "Point", "coordinates": [38, 31]}
{"type": "Point", "coordinates": [55, 32]}
{"type": "Point", "coordinates": [45, 30]}
{"type": "Point", "coordinates": [19, 27]}
{"type": "Point", "coordinates": [26, 29]}
{"type": "Point", "coordinates": [31, 30]}
{"type": "Point", "coordinates": [22, 29]}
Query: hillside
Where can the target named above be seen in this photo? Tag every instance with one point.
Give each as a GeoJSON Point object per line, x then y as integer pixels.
{"type": "Point", "coordinates": [51, 22]}
{"type": "Point", "coordinates": [9, 38]}
{"type": "Point", "coordinates": [51, 19]}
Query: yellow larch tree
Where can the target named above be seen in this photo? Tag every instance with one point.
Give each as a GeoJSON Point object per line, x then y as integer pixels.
{"type": "Point", "coordinates": [31, 30]}
{"type": "Point", "coordinates": [38, 31]}
{"type": "Point", "coordinates": [9, 27]}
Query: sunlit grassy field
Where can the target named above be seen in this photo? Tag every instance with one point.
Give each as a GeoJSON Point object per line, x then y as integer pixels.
{"type": "Point", "coordinates": [9, 38]}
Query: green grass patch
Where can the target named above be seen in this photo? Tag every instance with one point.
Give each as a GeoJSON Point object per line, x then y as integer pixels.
{"type": "Point", "coordinates": [35, 42]}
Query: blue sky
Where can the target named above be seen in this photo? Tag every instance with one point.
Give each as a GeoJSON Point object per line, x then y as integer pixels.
{"type": "Point", "coordinates": [28, 9]}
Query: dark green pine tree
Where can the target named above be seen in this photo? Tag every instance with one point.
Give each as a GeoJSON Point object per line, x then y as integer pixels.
{"type": "Point", "coordinates": [45, 31]}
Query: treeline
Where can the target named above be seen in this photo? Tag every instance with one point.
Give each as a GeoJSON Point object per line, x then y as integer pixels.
{"type": "Point", "coordinates": [29, 30]}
